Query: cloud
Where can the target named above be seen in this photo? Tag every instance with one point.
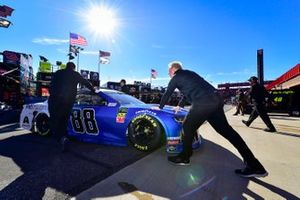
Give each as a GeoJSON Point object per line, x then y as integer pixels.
{"type": "Point", "coordinates": [64, 51]}
{"type": "Point", "coordinates": [49, 41]}
{"type": "Point", "coordinates": [90, 52]}
{"type": "Point", "coordinates": [157, 46]}
{"type": "Point", "coordinates": [243, 72]}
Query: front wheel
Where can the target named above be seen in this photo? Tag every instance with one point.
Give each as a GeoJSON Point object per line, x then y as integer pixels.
{"type": "Point", "coordinates": [145, 133]}
{"type": "Point", "coordinates": [42, 126]}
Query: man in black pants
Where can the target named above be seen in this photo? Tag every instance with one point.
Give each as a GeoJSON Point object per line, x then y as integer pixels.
{"type": "Point", "coordinates": [207, 104]}
{"type": "Point", "coordinates": [63, 90]}
{"type": "Point", "coordinates": [258, 94]}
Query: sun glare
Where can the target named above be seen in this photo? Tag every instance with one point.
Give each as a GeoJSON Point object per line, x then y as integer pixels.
{"type": "Point", "coordinates": [101, 21]}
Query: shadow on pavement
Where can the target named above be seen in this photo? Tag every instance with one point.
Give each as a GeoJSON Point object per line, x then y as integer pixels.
{"type": "Point", "coordinates": [9, 127]}
{"type": "Point", "coordinates": [210, 176]}
{"type": "Point", "coordinates": [288, 134]}
{"type": "Point", "coordinates": [275, 189]}
{"type": "Point", "coordinates": [35, 168]}
{"type": "Point", "coordinates": [280, 133]}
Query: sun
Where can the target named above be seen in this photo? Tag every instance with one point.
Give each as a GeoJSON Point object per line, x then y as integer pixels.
{"type": "Point", "coordinates": [100, 20]}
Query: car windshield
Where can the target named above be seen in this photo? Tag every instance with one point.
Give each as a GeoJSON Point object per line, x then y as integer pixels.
{"type": "Point", "coordinates": [124, 98]}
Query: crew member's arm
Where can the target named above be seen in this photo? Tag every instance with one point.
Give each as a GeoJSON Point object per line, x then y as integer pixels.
{"type": "Point", "coordinates": [182, 101]}
{"type": "Point", "coordinates": [171, 87]}
{"type": "Point", "coordinates": [251, 94]}
{"type": "Point", "coordinates": [84, 82]}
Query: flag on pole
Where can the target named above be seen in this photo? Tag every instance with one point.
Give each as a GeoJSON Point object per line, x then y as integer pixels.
{"type": "Point", "coordinates": [4, 23]}
{"type": "Point", "coordinates": [5, 11]}
{"type": "Point", "coordinates": [77, 39]}
{"type": "Point", "coordinates": [73, 49]}
{"type": "Point", "coordinates": [104, 57]}
{"type": "Point", "coordinates": [42, 58]}
{"type": "Point", "coordinates": [153, 73]}
{"type": "Point", "coordinates": [104, 60]}
{"type": "Point", "coordinates": [104, 54]}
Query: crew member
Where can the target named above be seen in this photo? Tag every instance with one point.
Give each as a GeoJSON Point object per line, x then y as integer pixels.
{"type": "Point", "coordinates": [258, 95]}
{"type": "Point", "coordinates": [206, 105]}
{"type": "Point", "coordinates": [63, 90]}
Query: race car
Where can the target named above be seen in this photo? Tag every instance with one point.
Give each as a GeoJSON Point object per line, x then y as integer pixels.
{"type": "Point", "coordinates": [115, 118]}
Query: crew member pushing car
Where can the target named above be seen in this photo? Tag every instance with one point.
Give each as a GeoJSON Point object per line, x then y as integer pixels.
{"type": "Point", "coordinates": [63, 90]}
{"type": "Point", "coordinates": [206, 105]}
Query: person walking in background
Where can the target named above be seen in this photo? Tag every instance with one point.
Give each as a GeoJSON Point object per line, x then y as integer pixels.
{"type": "Point", "coordinates": [206, 104]}
{"type": "Point", "coordinates": [258, 95]}
{"type": "Point", "coordinates": [63, 90]}
{"type": "Point", "coordinates": [241, 102]}
{"type": "Point", "coordinates": [124, 87]}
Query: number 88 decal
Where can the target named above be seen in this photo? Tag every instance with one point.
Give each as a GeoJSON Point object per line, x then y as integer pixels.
{"type": "Point", "coordinates": [83, 121]}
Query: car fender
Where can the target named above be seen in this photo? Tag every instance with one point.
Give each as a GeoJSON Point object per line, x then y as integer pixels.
{"type": "Point", "coordinates": [30, 112]}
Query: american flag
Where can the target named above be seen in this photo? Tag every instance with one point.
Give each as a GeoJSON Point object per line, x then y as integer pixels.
{"type": "Point", "coordinates": [5, 11]}
{"type": "Point", "coordinates": [77, 39]}
{"type": "Point", "coordinates": [153, 73]}
{"type": "Point", "coordinates": [104, 53]}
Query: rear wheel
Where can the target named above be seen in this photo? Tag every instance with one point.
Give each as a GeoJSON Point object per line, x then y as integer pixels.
{"type": "Point", "coordinates": [42, 126]}
{"type": "Point", "coordinates": [145, 133]}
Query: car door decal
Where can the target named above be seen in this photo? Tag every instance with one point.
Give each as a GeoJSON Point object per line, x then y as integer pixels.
{"type": "Point", "coordinates": [84, 121]}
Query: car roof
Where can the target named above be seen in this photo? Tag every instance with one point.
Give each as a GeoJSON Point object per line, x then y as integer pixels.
{"type": "Point", "coordinates": [104, 90]}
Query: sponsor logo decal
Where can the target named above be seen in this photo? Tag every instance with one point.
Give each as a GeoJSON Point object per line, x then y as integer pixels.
{"type": "Point", "coordinates": [144, 148]}
{"type": "Point", "coordinates": [112, 104]}
{"type": "Point", "coordinates": [25, 123]}
{"type": "Point", "coordinates": [36, 107]}
{"type": "Point", "coordinates": [171, 148]}
{"type": "Point", "coordinates": [147, 117]}
{"type": "Point", "coordinates": [145, 112]}
{"type": "Point", "coordinates": [173, 140]}
{"type": "Point", "coordinates": [121, 115]}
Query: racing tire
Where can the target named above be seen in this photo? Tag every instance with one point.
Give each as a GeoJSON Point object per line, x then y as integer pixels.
{"type": "Point", "coordinates": [42, 126]}
{"type": "Point", "coordinates": [145, 133]}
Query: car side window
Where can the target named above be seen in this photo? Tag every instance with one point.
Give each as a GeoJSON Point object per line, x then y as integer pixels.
{"type": "Point", "coordinates": [90, 99]}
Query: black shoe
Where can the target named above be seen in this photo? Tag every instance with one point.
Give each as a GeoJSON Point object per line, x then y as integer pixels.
{"type": "Point", "coordinates": [246, 123]}
{"type": "Point", "coordinates": [272, 130]}
{"type": "Point", "coordinates": [64, 142]}
{"type": "Point", "coordinates": [178, 160]}
{"type": "Point", "coordinates": [248, 172]}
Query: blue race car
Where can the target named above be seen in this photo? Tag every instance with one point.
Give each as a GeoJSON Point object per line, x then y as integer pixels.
{"type": "Point", "coordinates": [113, 117]}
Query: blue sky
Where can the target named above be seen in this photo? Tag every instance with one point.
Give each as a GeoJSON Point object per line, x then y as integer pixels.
{"type": "Point", "coordinates": [217, 39]}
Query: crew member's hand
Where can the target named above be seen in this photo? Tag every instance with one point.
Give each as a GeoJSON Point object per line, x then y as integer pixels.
{"type": "Point", "coordinates": [177, 109]}
{"type": "Point", "coordinates": [155, 108]}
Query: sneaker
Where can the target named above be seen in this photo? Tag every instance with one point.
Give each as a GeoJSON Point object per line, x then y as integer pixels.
{"type": "Point", "coordinates": [248, 172]}
{"type": "Point", "coordinates": [64, 142]}
{"type": "Point", "coordinates": [272, 130]}
{"type": "Point", "coordinates": [246, 123]}
{"type": "Point", "coordinates": [178, 160]}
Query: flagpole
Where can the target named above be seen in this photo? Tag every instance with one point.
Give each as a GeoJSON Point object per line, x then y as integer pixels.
{"type": "Point", "coordinates": [69, 46]}
{"type": "Point", "coordinates": [78, 62]}
{"type": "Point", "coordinates": [99, 69]}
